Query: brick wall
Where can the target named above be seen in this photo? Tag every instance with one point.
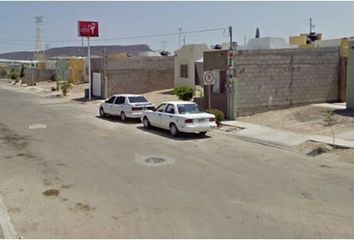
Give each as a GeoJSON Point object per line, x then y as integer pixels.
{"type": "Point", "coordinates": [33, 75]}
{"type": "Point", "coordinates": [270, 79]}
{"type": "Point", "coordinates": [273, 79]}
{"type": "Point", "coordinates": [136, 75]}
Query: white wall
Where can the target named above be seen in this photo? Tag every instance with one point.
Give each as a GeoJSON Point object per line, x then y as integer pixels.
{"type": "Point", "coordinates": [267, 43]}
{"type": "Point", "coordinates": [328, 43]}
{"type": "Point", "coordinates": [188, 54]}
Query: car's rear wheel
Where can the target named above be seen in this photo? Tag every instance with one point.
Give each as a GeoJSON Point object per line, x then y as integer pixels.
{"type": "Point", "coordinates": [123, 117]}
{"type": "Point", "coordinates": [173, 130]}
{"type": "Point", "coordinates": [101, 112]}
{"type": "Point", "coordinates": [202, 133]}
{"type": "Point", "coordinates": [146, 123]}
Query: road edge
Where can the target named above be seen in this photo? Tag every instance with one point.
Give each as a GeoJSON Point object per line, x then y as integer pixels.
{"type": "Point", "coordinates": [5, 222]}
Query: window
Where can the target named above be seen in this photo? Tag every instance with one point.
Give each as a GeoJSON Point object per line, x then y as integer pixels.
{"type": "Point", "coordinates": [137, 99]}
{"type": "Point", "coordinates": [170, 109]}
{"type": "Point", "coordinates": [111, 100]}
{"type": "Point", "coordinates": [184, 71]}
{"type": "Point", "coordinates": [161, 108]}
{"type": "Point", "coordinates": [120, 100]}
{"type": "Point", "coordinates": [188, 108]}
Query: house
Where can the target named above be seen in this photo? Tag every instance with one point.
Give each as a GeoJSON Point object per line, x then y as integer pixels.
{"type": "Point", "coordinates": [185, 65]}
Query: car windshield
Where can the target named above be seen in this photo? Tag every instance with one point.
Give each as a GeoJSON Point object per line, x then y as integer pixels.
{"type": "Point", "coordinates": [188, 108]}
{"type": "Point", "coordinates": [137, 99]}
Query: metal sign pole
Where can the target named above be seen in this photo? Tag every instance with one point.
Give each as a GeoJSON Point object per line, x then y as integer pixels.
{"type": "Point", "coordinates": [209, 97]}
{"type": "Point", "coordinates": [89, 65]}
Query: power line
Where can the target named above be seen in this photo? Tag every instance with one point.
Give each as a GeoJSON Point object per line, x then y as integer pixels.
{"type": "Point", "coordinates": [14, 44]}
{"type": "Point", "coordinates": [127, 38]}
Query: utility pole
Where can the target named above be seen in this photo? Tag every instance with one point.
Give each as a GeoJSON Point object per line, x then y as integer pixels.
{"type": "Point", "coordinates": [179, 37]}
{"type": "Point", "coordinates": [82, 47]}
{"type": "Point", "coordinates": [89, 66]}
{"type": "Point", "coordinates": [184, 40]}
{"type": "Point", "coordinates": [230, 34]}
{"type": "Point", "coordinates": [311, 25]}
{"type": "Point", "coordinates": [230, 84]}
{"type": "Point", "coordinates": [105, 72]}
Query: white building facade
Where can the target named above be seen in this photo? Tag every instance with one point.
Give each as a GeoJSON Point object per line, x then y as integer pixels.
{"type": "Point", "coordinates": [185, 69]}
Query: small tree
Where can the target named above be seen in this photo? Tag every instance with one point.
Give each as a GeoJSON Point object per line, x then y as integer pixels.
{"type": "Point", "coordinates": [219, 115]}
{"type": "Point", "coordinates": [184, 93]}
{"type": "Point", "coordinates": [65, 86]}
{"type": "Point", "coordinates": [22, 71]}
{"type": "Point", "coordinates": [14, 74]}
{"type": "Point", "coordinates": [330, 121]}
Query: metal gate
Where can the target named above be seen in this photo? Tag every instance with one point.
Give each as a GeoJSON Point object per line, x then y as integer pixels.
{"type": "Point", "coordinates": [96, 84]}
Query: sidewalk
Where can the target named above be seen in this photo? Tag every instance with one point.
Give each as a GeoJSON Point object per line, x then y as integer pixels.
{"type": "Point", "coordinates": [286, 138]}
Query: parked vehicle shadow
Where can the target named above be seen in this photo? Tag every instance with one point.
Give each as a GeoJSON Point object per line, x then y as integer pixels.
{"type": "Point", "coordinates": [166, 134]}
{"type": "Point", "coordinates": [81, 99]}
{"type": "Point", "coordinates": [344, 112]}
{"type": "Point", "coordinates": [117, 120]}
{"type": "Point", "coordinates": [84, 100]}
{"type": "Point", "coordinates": [169, 92]}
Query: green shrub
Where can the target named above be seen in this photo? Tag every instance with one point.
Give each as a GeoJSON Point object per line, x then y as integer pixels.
{"type": "Point", "coordinates": [184, 93]}
{"type": "Point", "coordinates": [65, 86]}
{"type": "Point", "coordinates": [219, 115]}
{"type": "Point", "coordinates": [22, 71]}
{"type": "Point", "coordinates": [14, 74]}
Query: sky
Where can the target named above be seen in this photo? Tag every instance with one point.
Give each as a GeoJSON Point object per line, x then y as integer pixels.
{"type": "Point", "coordinates": [128, 19]}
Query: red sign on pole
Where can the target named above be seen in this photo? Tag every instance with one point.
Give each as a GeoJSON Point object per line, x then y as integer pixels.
{"type": "Point", "coordinates": [88, 29]}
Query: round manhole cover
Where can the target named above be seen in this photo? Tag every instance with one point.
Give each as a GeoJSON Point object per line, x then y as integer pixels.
{"type": "Point", "coordinates": [154, 161]}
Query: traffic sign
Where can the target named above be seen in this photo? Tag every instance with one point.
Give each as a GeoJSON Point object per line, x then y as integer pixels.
{"type": "Point", "coordinates": [209, 77]}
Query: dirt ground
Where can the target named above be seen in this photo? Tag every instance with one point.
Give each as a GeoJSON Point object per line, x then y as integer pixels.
{"type": "Point", "coordinates": [76, 90]}
{"type": "Point", "coordinates": [313, 149]}
{"type": "Point", "coordinates": [309, 119]}
{"type": "Point", "coordinates": [305, 119]}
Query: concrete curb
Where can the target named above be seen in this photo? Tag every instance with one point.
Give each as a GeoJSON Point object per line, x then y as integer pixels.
{"type": "Point", "coordinates": [253, 140]}
{"type": "Point", "coordinates": [282, 138]}
{"type": "Point", "coordinates": [1, 234]}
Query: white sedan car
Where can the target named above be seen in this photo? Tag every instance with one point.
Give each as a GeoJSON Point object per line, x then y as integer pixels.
{"type": "Point", "coordinates": [179, 116]}
{"type": "Point", "coordinates": [125, 106]}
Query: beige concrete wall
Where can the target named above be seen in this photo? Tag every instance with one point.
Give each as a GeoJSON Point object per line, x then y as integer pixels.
{"type": "Point", "coordinates": [136, 75]}
{"type": "Point", "coordinates": [282, 78]}
{"type": "Point", "coordinates": [273, 79]}
{"type": "Point", "coordinates": [33, 75]}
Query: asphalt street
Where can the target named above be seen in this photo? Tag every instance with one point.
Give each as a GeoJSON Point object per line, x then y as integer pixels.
{"type": "Point", "coordinates": [65, 173]}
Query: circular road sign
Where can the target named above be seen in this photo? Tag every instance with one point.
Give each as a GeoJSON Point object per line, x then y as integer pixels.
{"type": "Point", "coordinates": [209, 78]}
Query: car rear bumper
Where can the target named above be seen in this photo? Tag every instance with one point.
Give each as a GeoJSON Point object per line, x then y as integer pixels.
{"type": "Point", "coordinates": [134, 114]}
{"type": "Point", "coordinates": [197, 128]}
